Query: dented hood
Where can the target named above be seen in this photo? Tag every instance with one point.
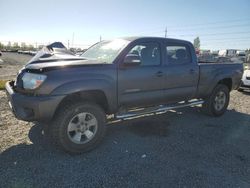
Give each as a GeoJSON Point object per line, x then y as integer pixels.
{"type": "Point", "coordinates": [57, 55]}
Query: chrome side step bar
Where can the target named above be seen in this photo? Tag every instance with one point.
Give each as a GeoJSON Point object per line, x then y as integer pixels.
{"type": "Point", "coordinates": [158, 109]}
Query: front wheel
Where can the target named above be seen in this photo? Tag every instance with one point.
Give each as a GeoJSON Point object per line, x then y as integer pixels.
{"type": "Point", "coordinates": [216, 104]}
{"type": "Point", "coordinates": [79, 128]}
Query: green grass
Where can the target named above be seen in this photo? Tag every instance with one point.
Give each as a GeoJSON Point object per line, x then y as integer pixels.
{"type": "Point", "coordinates": [2, 84]}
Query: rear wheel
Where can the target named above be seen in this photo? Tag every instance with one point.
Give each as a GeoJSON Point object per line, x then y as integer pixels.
{"type": "Point", "coordinates": [216, 104]}
{"type": "Point", "coordinates": [79, 128]}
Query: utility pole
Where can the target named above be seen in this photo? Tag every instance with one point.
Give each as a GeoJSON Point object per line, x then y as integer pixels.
{"type": "Point", "coordinates": [100, 38]}
{"type": "Point", "coordinates": [166, 32]}
{"type": "Point", "coordinates": [68, 44]}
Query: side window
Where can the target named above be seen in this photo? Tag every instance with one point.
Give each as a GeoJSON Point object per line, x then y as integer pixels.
{"type": "Point", "coordinates": [149, 53]}
{"type": "Point", "coordinates": [178, 54]}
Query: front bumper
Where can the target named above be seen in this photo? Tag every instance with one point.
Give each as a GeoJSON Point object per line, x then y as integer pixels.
{"type": "Point", "coordinates": [245, 78]}
{"type": "Point", "coordinates": [32, 108]}
{"type": "Point", "coordinates": [246, 82]}
{"type": "Point", "coordinates": [244, 86]}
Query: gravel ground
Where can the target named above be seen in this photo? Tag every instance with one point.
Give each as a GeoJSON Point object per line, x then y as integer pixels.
{"type": "Point", "coordinates": [11, 63]}
{"type": "Point", "coordinates": [176, 149]}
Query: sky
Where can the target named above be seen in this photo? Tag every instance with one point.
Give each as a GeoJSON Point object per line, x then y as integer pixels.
{"type": "Point", "coordinates": [220, 24]}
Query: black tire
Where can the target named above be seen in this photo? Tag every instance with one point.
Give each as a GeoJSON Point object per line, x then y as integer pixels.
{"type": "Point", "coordinates": [63, 117]}
{"type": "Point", "coordinates": [209, 104]}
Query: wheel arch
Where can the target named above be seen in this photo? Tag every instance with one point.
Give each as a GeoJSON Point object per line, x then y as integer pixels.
{"type": "Point", "coordinates": [95, 96]}
{"type": "Point", "coordinates": [227, 82]}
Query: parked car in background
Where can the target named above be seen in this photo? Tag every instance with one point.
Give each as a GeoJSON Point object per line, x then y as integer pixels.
{"type": "Point", "coordinates": [248, 58]}
{"type": "Point", "coordinates": [227, 52]}
{"type": "Point", "coordinates": [215, 52]}
{"type": "Point", "coordinates": [245, 81]}
{"type": "Point", "coordinates": [241, 54]}
{"type": "Point", "coordinates": [0, 53]}
{"type": "Point", "coordinates": [31, 52]}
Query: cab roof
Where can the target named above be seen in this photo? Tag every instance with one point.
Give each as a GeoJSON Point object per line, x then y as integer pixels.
{"type": "Point", "coordinates": [133, 38]}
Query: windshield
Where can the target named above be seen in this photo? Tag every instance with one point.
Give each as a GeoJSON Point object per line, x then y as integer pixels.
{"type": "Point", "coordinates": [105, 51]}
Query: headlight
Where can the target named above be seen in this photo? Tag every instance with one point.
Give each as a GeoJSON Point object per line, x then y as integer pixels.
{"type": "Point", "coordinates": [32, 81]}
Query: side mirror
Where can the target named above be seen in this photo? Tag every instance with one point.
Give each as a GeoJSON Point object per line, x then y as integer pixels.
{"type": "Point", "coordinates": [132, 60]}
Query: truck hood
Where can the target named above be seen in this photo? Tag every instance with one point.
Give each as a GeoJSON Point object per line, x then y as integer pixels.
{"type": "Point", "coordinates": [56, 55]}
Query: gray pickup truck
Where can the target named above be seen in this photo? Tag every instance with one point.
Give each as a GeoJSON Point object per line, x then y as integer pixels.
{"type": "Point", "coordinates": [116, 80]}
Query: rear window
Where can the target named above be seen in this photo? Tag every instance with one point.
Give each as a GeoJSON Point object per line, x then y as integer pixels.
{"type": "Point", "coordinates": [178, 54]}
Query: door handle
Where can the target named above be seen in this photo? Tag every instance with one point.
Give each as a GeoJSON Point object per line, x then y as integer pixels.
{"type": "Point", "coordinates": [159, 74]}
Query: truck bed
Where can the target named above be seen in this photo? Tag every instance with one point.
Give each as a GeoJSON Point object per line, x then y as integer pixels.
{"type": "Point", "coordinates": [210, 72]}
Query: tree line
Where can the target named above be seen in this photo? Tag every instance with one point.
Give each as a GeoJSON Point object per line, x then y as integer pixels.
{"type": "Point", "coordinates": [15, 46]}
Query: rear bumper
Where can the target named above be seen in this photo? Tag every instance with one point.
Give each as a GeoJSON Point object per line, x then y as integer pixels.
{"type": "Point", "coordinates": [32, 108]}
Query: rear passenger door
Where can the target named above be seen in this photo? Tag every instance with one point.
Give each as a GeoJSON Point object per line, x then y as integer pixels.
{"type": "Point", "coordinates": [181, 72]}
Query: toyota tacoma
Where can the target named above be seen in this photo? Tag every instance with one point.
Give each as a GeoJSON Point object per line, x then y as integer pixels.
{"type": "Point", "coordinates": [116, 80]}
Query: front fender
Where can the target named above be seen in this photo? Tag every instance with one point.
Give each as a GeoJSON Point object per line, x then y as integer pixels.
{"type": "Point", "coordinates": [108, 87]}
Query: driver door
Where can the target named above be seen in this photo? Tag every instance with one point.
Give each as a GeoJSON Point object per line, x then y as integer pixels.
{"type": "Point", "coordinates": [142, 84]}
